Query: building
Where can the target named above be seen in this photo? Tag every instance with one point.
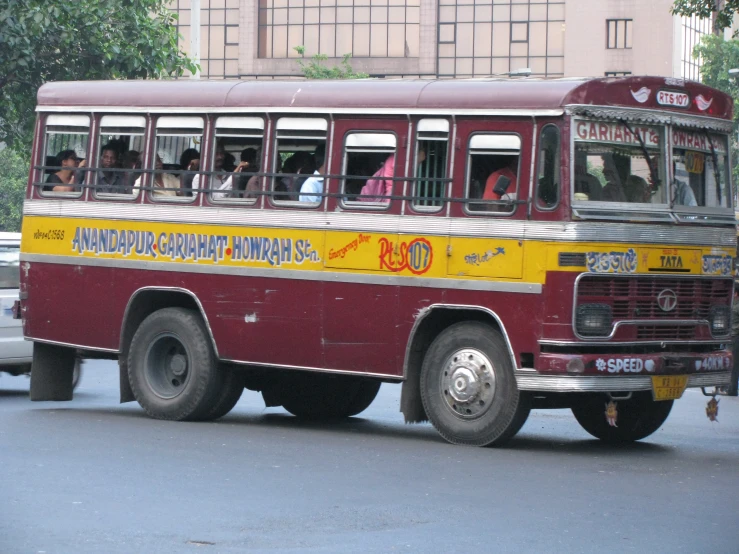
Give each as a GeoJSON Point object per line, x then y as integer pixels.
{"type": "Point", "coordinates": [444, 38]}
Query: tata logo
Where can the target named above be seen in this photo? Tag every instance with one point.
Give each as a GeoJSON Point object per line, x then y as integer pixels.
{"type": "Point", "coordinates": [667, 300]}
{"type": "Point", "coordinates": [672, 262]}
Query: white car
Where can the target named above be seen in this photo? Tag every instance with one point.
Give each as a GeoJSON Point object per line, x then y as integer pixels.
{"type": "Point", "coordinates": [15, 352]}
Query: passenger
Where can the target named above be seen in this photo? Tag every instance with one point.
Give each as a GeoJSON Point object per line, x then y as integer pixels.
{"type": "Point", "coordinates": [614, 190]}
{"type": "Point", "coordinates": [300, 163]}
{"type": "Point", "coordinates": [165, 184]}
{"type": "Point", "coordinates": [636, 189]}
{"type": "Point", "coordinates": [189, 161]}
{"type": "Point", "coordinates": [684, 195]}
{"type": "Point", "coordinates": [110, 182]}
{"type": "Point", "coordinates": [229, 162]}
{"type": "Point", "coordinates": [63, 180]}
{"type": "Point", "coordinates": [247, 166]}
{"type": "Point", "coordinates": [312, 188]}
{"type": "Point", "coordinates": [381, 183]}
{"type": "Point", "coordinates": [509, 172]}
{"type": "Point", "coordinates": [219, 178]}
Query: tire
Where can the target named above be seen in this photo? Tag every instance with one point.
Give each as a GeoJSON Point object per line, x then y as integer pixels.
{"type": "Point", "coordinates": [468, 387]}
{"type": "Point", "coordinates": [327, 397]}
{"type": "Point", "coordinates": [172, 367]}
{"type": "Point", "coordinates": [638, 417]}
{"type": "Point", "coordinates": [231, 389]}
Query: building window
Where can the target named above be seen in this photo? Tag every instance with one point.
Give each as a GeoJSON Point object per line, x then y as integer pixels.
{"type": "Point", "coordinates": [693, 30]}
{"type": "Point", "coordinates": [219, 36]}
{"type": "Point", "coordinates": [617, 73]}
{"type": "Point", "coordinates": [618, 33]}
{"type": "Point", "coordinates": [380, 28]}
{"type": "Point", "coordinates": [494, 38]}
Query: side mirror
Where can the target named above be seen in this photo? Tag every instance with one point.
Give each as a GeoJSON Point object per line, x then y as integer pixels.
{"type": "Point", "coordinates": [501, 185]}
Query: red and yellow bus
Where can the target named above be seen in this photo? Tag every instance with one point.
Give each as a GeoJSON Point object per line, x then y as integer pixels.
{"type": "Point", "coordinates": [492, 246]}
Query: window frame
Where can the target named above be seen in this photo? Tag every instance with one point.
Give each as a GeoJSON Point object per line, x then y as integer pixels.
{"type": "Point", "coordinates": [114, 196]}
{"type": "Point", "coordinates": [275, 154]}
{"type": "Point", "coordinates": [412, 206]}
{"type": "Point", "coordinates": [368, 205]}
{"type": "Point", "coordinates": [90, 139]}
{"type": "Point", "coordinates": [150, 160]}
{"type": "Point", "coordinates": [466, 200]}
{"type": "Point", "coordinates": [558, 170]}
{"type": "Point", "coordinates": [212, 154]}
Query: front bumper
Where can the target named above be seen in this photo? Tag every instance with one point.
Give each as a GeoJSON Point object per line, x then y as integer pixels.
{"type": "Point", "coordinates": [623, 372]}
{"type": "Point", "coordinates": [532, 381]}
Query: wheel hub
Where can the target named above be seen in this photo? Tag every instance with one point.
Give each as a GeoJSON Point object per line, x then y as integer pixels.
{"type": "Point", "coordinates": [166, 367]}
{"type": "Point", "coordinates": [178, 365]}
{"type": "Point", "coordinates": [468, 383]}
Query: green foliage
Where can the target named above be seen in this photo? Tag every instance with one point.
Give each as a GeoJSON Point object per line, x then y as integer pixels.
{"type": "Point", "coordinates": [13, 179]}
{"type": "Point", "coordinates": [719, 56]}
{"type": "Point", "coordinates": [44, 40]}
{"type": "Point", "coordinates": [316, 70]}
{"type": "Point", "coordinates": [705, 9]}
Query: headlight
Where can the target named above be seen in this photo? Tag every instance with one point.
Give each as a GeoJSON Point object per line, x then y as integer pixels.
{"type": "Point", "coordinates": [594, 320]}
{"type": "Point", "coordinates": [720, 319]}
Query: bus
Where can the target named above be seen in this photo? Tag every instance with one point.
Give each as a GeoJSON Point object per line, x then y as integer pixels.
{"type": "Point", "coordinates": [492, 246]}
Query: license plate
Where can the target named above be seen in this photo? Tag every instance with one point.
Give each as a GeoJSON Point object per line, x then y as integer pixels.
{"type": "Point", "coordinates": [668, 387]}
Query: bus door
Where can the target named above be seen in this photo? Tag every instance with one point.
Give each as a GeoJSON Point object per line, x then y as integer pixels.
{"type": "Point", "coordinates": [360, 304]}
{"type": "Point", "coordinates": [493, 171]}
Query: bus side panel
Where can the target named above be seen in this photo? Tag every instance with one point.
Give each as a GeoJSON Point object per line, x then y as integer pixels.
{"type": "Point", "coordinates": [262, 320]}
{"type": "Point", "coordinates": [360, 328]}
{"type": "Point", "coordinates": [55, 310]}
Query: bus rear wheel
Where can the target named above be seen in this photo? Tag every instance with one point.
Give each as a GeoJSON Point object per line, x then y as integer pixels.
{"type": "Point", "coordinates": [328, 397]}
{"type": "Point", "coordinates": [229, 393]}
{"type": "Point", "coordinates": [468, 387]}
{"type": "Point", "coordinates": [638, 417]}
{"type": "Point", "coordinates": [172, 368]}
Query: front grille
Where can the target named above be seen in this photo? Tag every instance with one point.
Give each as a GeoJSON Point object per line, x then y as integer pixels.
{"type": "Point", "coordinates": [665, 332]}
{"type": "Point", "coordinates": [635, 298]}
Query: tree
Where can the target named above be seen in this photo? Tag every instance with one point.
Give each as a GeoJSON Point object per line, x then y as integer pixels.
{"type": "Point", "coordinates": [13, 179]}
{"type": "Point", "coordinates": [44, 40]}
{"type": "Point", "coordinates": [718, 56]}
{"type": "Point", "coordinates": [316, 70]}
{"type": "Point", "coordinates": [722, 10]}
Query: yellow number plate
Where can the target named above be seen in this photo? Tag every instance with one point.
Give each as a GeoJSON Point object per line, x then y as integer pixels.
{"type": "Point", "coordinates": [668, 387]}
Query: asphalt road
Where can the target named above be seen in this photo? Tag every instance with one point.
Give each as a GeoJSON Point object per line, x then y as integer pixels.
{"type": "Point", "coordinates": [95, 476]}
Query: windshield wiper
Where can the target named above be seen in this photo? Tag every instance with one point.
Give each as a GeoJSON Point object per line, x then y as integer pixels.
{"type": "Point", "coordinates": [652, 170]}
{"type": "Point", "coordinates": [716, 174]}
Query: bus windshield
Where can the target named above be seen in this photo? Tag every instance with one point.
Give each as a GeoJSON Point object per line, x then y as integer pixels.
{"type": "Point", "coordinates": [612, 163]}
{"type": "Point", "coordinates": [700, 166]}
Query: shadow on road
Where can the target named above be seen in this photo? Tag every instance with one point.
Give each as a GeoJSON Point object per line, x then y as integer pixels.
{"type": "Point", "coordinates": [357, 426]}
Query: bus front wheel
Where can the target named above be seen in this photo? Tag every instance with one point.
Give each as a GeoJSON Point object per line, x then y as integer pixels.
{"type": "Point", "coordinates": [172, 368]}
{"type": "Point", "coordinates": [468, 386]}
{"type": "Point", "coordinates": [637, 418]}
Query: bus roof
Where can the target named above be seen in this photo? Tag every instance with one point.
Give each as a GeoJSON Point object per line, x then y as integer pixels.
{"type": "Point", "coordinates": [396, 94]}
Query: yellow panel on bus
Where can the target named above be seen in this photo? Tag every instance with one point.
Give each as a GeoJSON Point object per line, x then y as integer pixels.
{"type": "Point", "coordinates": [485, 258]}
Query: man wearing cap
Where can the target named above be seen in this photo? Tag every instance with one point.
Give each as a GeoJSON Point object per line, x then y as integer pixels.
{"type": "Point", "coordinates": [63, 180]}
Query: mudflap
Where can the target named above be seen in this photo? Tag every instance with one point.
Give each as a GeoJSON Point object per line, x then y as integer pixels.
{"type": "Point", "coordinates": [51, 372]}
{"type": "Point", "coordinates": [124, 384]}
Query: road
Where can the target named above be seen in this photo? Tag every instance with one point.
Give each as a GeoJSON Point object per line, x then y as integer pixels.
{"type": "Point", "coordinates": [95, 476]}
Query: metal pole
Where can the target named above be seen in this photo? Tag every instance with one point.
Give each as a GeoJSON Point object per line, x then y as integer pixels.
{"type": "Point", "coordinates": [195, 34]}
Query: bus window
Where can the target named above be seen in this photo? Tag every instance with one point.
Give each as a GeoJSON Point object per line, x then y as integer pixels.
{"type": "Point", "coordinates": [700, 166]}
{"type": "Point", "coordinates": [176, 137]}
{"type": "Point", "coordinates": [492, 172]}
{"type": "Point", "coordinates": [547, 176]}
{"type": "Point", "coordinates": [432, 147]}
{"type": "Point", "coordinates": [369, 166]}
{"type": "Point", "coordinates": [121, 144]}
{"type": "Point", "coordinates": [65, 148]}
{"type": "Point", "coordinates": [612, 163]}
{"type": "Point", "coordinates": [300, 152]}
{"type": "Point", "coordinates": [239, 138]}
